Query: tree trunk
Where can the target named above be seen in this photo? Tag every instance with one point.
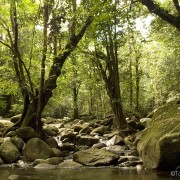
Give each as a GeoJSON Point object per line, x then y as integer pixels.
{"type": "Point", "coordinates": [30, 111]}
{"type": "Point", "coordinates": [137, 82]}
{"type": "Point", "coordinates": [75, 95]}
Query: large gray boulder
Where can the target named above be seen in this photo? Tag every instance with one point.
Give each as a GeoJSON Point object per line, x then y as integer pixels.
{"type": "Point", "coordinates": [8, 152]}
{"type": "Point", "coordinates": [95, 157]}
{"type": "Point", "coordinates": [159, 147]}
{"type": "Point", "coordinates": [35, 148]}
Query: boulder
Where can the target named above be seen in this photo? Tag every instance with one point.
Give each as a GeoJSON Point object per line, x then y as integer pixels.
{"type": "Point", "coordinates": [67, 133]}
{"type": "Point", "coordinates": [11, 134]}
{"type": "Point", "coordinates": [51, 141]}
{"type": "Point", "coordinates": [159, 147]}
{"type": "Point", "coordinates": [115, 140]}
{"type": "Point", "coordinates": [53, 161]}
{"type": "Point", "coordinates": [144, 121]}
{"type": "Point", "coordinates": [117, 149]}
{"type": "Point", "coordinates": [85, 130]}
{"type": "Point", "coordinates": [100, 130]}
{"type": "Point", "coordinates": [26, 133]}
{"type": "Point", "coordinates": [67, 147]}
{"type": "Point", "coordinates": [99, 145]}
{"type": "Point", "coordinates": [77, 127]}
{"type": "Point", "coordinates": [35, 148]}
{"type": "Point", "coordinates": [95, 157]}
{"type": "Point", "coordinates": [8, 152]}
{"type": "Point", "coordinates": [18, 142]}
{"type": "Point", "coordinates": [15, 118]}
{"type": "Point", "coordinates": [86, 140]}
{"type": "Point", "coordinates": [48, 120]}
{"type": "Point", "coordinates": [50, 130]}
{"type": "Point", "coordinates": [57, 152]}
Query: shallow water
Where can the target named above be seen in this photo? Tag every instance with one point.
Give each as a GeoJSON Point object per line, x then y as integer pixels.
{"type": "Point", "coordinates": [84, 174]}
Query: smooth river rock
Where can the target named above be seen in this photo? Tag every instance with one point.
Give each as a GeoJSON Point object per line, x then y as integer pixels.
{"type": "Point", "coordinates": [95, 157]}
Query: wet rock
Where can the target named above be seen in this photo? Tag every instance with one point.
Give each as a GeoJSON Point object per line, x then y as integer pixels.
{"type": "Point", "coordinates": [77, 127]}
{"type": "Point", "coordinates": [48, 120]}
{"type": "Point", "coordinates": [122, 159]}
{"type": "Point", "coordinates": [26, 133]}
{"type": "Point", "coordinates": [58, 152]}
{"type": "Point", "coordinates": [18, 142]}
{"type": "Point", "coordinates": [11, 134]}
{"type": "Point", "coordinates": [39, 161]}
{"type": "Point", "coordinates": [144, 121]}
{"type": "Point", "coordinates": [99, 145]}
{"type": "Point", "coordinates": [8, 152]}
{"type": "Point", "coordinates": [95, 157]}
{"type": "Point", "coordinates": [159, 147]}
{"type": "Point", "coordinates": [51, 141]}
{"type": "Point", "coordinates": [35, 148]}
{"type": "Point", "coordinates": [86, 140]}
{"type": "Point", "coordinates": [54, 160]}
{"type": "Point", "coordinates": [68, 135]}
{"type": "Point", "coordinates": [67, 146]}
{"type": "Point", "coordinates": [16, 118]}
{"type": "Point", "coordinates": [100, 130]}
{"type": "Point", "coordinates": [69, 164]}
{"type": "Point", "coordinates": [130, 163]}
{"type": "Point", "coordinates": [115, 140]}
{"type": "Point", "coordinates": [50, 130]}
{"type": "Point", "coordinates": [85, 130]}
{"type": "Point", "coordinates": [113, 133]}
{"type": "Point", "coordinates": [117, 149]}
{"type": "Point", "coordinates": [45, 166]}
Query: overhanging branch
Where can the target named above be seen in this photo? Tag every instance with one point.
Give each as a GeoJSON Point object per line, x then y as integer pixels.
{"type": "Point", "coordinates": [155, 8]}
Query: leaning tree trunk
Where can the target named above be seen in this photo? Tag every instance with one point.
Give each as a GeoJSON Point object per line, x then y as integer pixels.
{"type": "Point", "coordinates": [30, 110]}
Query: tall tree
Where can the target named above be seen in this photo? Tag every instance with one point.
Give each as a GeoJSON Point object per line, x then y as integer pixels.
{"type": "Point", "coordinates": [36, 99]}
{"type": "Point", "coordinates": [106, 36]}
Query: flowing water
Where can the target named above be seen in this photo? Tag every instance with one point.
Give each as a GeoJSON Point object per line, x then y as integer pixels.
{"type": "Point", "coordinates": [83, 174]}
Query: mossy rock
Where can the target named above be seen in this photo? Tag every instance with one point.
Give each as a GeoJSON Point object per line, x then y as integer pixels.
{"type": "Point", "coordinates": [159, 147]}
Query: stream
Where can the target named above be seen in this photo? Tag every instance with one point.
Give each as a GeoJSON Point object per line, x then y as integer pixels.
{"type": "Point", "coordinates": [83, 174]}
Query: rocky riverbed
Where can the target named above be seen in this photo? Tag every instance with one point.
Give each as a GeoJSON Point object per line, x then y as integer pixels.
{"type": "Point", "coordinates": [70, 144]}
{"type": "Point", "coordinates": [148, 143]}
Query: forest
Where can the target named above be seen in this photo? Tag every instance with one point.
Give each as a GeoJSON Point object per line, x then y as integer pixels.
{"type": "Point", "coordinates": [87, 58]}
{"type": "Point", "coordinates": [93, 81]}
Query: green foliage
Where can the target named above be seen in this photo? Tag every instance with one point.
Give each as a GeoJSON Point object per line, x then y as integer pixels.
{"type": "Point", "coordinates": [156, 54]}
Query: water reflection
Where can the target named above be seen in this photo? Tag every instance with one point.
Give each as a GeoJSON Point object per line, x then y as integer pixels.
{"type": "Point", "coordinates": [83, 174]}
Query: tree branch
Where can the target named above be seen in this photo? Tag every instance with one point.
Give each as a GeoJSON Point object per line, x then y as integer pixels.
{"type": "Point", "coordinates": [177, 6]}
{"type": "Point", "coordinates": [55, 70]}
{"type": "Point", "coordinates": [7, 45]}
{"type": "Point", "coordinates": [153, 7]}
